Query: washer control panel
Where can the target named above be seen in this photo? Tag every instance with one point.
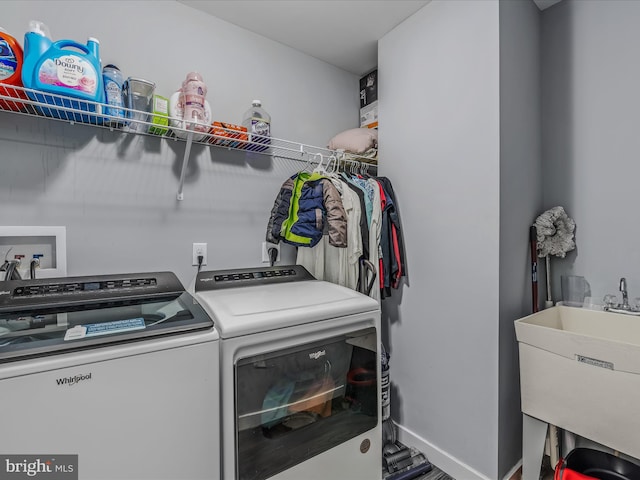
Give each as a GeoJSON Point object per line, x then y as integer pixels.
{"type": "Point", "coordinates": [43, 293]}
{"type": "Point", "coordinates": [78, 287]}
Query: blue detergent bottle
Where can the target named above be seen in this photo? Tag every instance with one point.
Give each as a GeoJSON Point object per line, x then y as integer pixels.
{"type": "Point", "coordinates": [63, 73]}
{"type": "Point", "coordinates": [113, 96]}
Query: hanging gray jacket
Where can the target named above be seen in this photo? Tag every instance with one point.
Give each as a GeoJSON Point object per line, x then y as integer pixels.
{"type": "Point", "coordinates": [279, 211]}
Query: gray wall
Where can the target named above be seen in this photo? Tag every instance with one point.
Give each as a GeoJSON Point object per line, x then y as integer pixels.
{"type": "Point", "coordinates": [520, 202]}
{"type": "Point", "coordinates": [590, 137]}
{"type": "Point", "coordinates": [568, 111]}
{"type": "Point", "coordinates": [466, 208]}
{"type": "Point", "coordinates": [116, 193]}
{"type": "Point", "coordinates": [439, 136]}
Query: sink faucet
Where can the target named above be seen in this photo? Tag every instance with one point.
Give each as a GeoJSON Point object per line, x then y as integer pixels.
{"type": "Point", "coordinates": [625, 295]}
{"type": "Point", "coordinates": [610, 304]}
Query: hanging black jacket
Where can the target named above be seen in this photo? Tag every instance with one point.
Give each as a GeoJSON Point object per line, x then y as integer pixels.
{"type": "Point", "coordinates": [391, 241]}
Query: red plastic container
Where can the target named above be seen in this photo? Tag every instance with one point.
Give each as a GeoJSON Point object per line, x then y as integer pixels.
{"type": "Point", "coordinates": [587, 463]}
{"type": "Point", "coordinates": [11, 58]}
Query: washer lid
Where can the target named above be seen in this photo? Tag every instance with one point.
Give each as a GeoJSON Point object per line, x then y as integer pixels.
{"type": "Point", "coordinates": [55, 316]}
{"type": "Point", "coordinates": [257, 308]}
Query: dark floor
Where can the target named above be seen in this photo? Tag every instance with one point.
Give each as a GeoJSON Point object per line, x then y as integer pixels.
{"type": "Point", "coordinates": [417, 458]}
{"type": "Point", "coordinates": [546, 473]}
{"type": "Point", "coordinates": [435, 474]}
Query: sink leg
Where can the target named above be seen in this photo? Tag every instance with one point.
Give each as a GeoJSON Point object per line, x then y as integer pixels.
{"type": "Point", "coordinates": [534, 434]}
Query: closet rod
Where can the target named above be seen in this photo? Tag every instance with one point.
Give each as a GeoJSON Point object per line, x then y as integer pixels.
{"type": "Point", "coordinates": [355, 165]}
{"type": "Point", "coordinates": [312, 159]}
{"type": "Point", "coordinates": [308, 156]}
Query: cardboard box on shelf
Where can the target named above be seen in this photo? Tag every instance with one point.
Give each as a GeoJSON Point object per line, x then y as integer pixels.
{"type": "Point", "coordinates": [369, 100]}
{"type": "Point", "coordinates": [234, 136]}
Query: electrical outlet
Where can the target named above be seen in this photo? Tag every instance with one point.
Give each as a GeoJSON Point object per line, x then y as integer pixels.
{"type": "Point", "coordinates": [265, 251]}
{"type": "Point", "coordinates": [199, 249]}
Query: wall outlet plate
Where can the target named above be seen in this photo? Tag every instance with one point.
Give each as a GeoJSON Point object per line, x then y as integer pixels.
{"type": "Point", "coordinates": [199, 249]}
{"type": "Point", "coordinates": [265, 251]}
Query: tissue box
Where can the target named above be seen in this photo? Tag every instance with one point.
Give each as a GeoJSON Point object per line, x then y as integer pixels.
{"type": "Point", "coordinates": [233, 136]}
{"type": "Point", "coordinates": [369, 100]}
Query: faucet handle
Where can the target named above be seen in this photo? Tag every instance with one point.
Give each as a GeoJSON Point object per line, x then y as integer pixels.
{"type": "Point", "coordinates": [610, 300]}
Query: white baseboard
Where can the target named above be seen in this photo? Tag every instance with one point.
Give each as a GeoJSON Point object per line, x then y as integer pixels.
{"type": "Point", "coordinates": [511, 473]}
{"type": "Point", "coordinates": [444, 461]}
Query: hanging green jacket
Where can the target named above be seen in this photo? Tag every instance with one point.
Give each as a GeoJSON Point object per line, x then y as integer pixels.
{"type": "Point", "coordinates": [314, 205]}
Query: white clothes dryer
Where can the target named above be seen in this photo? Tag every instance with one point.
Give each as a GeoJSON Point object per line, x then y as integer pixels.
{"type": "Point", "coordinates": [118, 371]}
{"type": "Point", "coordinates": [300, 375]}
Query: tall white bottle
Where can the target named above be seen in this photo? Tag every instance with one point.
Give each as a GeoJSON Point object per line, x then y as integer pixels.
{"type": "Point", "coordinates": [194, 91]}
{"type": "Point", "coordinates": [258, 123]}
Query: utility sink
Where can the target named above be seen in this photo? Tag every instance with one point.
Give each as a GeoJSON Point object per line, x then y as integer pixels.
{"type": "Point", "coordinates": [580, 370]}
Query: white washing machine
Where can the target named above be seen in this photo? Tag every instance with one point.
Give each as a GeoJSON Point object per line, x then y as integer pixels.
{"type": "Point", "coordinates": [300, 375]}
{"type": "Point", "coordinates": [120, 372]}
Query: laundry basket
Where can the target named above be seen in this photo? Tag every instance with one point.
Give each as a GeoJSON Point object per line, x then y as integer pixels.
{"type": "Point", "coordinates": [586, 463]}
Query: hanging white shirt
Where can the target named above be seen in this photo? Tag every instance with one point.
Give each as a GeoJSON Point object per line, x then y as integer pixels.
{"type": "Point", "coordinates": [333, 264]}
{"type": "Point", "coordinates": [375, 231]}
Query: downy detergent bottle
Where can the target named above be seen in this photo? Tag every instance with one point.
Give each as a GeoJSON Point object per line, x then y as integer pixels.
{"type": "Point", "coordinates": [11, 59]}
{"type": "Point", "coordinates": [64, 73]}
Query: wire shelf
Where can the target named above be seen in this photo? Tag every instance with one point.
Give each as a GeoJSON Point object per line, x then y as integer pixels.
{"type": "Point", "coordinates": [29, 102]}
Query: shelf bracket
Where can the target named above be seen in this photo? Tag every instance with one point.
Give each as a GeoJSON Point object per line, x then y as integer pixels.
{"type": "Point", "coordinates": [185, 162]}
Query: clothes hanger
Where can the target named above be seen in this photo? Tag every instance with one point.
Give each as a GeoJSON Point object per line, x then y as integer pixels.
{"type": "Point", "coordinates": [341, 160]}
{"type": "Point", "coordinates": [348, 167]}
{"type": "Point", "coordinates": [307, 166]}
{"type": "Point", "coordinates": [320, 167]}
{"type": "Point", "coordinates": [332, 166]}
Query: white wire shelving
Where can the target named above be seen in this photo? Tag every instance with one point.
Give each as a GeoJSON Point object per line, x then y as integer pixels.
{"type": "Point", "coordinates": [34, 103]}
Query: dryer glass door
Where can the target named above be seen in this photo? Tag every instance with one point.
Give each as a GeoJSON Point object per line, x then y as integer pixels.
{"type": "Point", "coordinates": [296, 403]}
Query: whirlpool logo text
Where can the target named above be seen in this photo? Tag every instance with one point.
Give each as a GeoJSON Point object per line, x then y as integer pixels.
{"type": "Point", "coordinates": [318, 354]}
{"type": "Point", "coordinates": [70, 381]}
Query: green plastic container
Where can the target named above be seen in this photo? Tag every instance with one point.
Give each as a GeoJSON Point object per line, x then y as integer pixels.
{"type": "Point", "coordinates": [159, 115]}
